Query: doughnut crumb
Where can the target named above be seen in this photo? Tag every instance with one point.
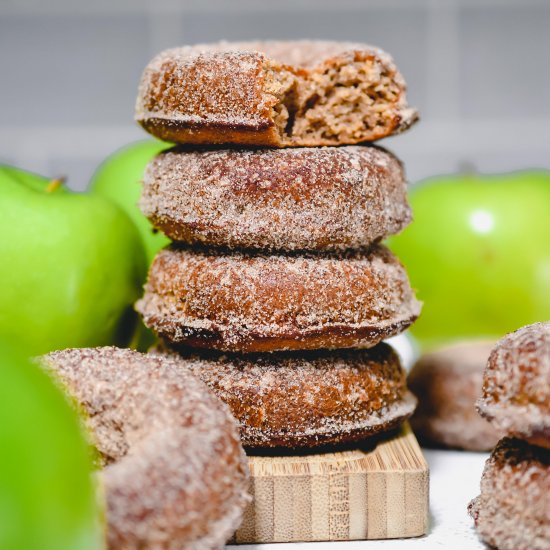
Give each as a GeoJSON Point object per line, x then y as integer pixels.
{"type": "Point", "coordinates": [346, 99]}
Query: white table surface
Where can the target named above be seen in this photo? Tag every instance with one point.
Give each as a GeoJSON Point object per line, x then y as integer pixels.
{"type": "Point", "coordinates": [454, 481]}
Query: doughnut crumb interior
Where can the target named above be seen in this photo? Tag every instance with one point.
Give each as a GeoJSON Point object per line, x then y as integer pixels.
{"type": "Point", "coordinates": [348, 98]}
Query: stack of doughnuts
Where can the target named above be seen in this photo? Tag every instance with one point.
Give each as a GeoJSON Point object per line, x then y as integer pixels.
{"type": "Point", "coordinates": [513, 509]}
{"type": "Point", "coordinates": [277, 291]}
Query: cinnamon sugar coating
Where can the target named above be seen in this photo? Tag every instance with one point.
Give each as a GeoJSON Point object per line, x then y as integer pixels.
{"type": "Point", "coordinates": [307, 399]}
{"type": "Point", "coordinates": [174, 472]}
{"type": "Point", "coordinates": [513, 510]}
{"type": "Point", "coordinates": [447, 383]}
{"type": "Point", "coordinates": [250, 302]}
{"type": "Point", "coordinates": [329, 198]}
{"type": "Point", "coordinates": [301, 93]}
{"type": "Point", "coordinates": [516, 385]}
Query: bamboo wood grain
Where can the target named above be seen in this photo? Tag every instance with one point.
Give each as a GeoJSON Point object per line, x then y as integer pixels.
{"type": "Point", "coordinates": [369, 493]}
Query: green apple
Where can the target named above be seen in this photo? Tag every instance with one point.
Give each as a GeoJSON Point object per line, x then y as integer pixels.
{"type": "Point", "coordinates": [119, 178]}
{"type": "Point", "coordinates": [478, 253]}
{"type": "Point", "coordinates": [71, 265]}
{"type": "Point", "coordinates": [47, 494]}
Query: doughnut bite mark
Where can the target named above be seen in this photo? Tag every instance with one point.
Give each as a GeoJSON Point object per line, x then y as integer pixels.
{"type": "Point", "coordinates": [447, 383]}
{"type": "Point", "coordinates": [278, 94]}
{"type": "Point", "coordinates": [516, 385]}
{"type": "Point", "coordinates": [513, 510]}
{"type": "Point", "coordinates": [307, 399]}
{"type": "Point", "coordinates": [174, 472]}
{"type": "Point", "coordinates": [329, 198]}
{"type": "Point", "coordinates": [252, 302]}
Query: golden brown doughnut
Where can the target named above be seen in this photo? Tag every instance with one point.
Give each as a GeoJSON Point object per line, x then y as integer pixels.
{"type": "Point", "coordinates": [307, 399]}
{"type": "Point", "coordinates": [329, 198]}
{"type": "Point", "coordinates": [174, 472]}
{"type": "Point", "coordinates": [250, 302]}
{"type": "Point", "coordinates": [447, 383]}
{"type": "Point", "coordinates": [513, 510]}
{"type": "Point", "coordinates": [516, 385]}
{"type": "Point", "coordinates": [281, 94]}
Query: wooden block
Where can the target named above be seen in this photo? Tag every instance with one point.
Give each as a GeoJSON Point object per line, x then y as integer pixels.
{"type": "Point", "coordinates": [375, 492]}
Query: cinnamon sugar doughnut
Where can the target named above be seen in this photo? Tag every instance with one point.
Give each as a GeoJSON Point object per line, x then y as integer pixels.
{"type": "Point", "coordinates": [516, 385]}
{"type": "Point", "coordinates": [281, 94]}
{"type": "Point", "coordinates": [307, 399]}
{"type": "Point", "coordinates": [513, 510]}
{"type": "Point", "coordinates": [174, 472]}
{"type": "Point", "coordinates": [326, 198]}
{"type": "Point", "coordinates": [447, 383]}
{"type": "Point", "coordinates": [250, 302]}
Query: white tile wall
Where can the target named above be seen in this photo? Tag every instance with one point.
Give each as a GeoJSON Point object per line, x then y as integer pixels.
{"type": "Point", "coordinates": [505, 62]}
{"type": "Point", "coordinates": [478, 70]}
{"type": "Point", "coordinates": [72, 70]}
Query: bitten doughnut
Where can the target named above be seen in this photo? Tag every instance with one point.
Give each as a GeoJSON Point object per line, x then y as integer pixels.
{"type": "Point", "coordinates": [328, 198]}
{"type": "Point", "coordinates": [249, 302]}
{"type": "Point", "coordinates": [516, 385]}
{"type": "Point", "coordinates": [174, 473]}
{"type": "Point", "coordinates": [513, 510]}
{"type": "Point", "coordinates": [278, 94]}
{"type": "Point", "coordinates": [447, 383]}
{"type": "Point", "coordinates": [308, 399]}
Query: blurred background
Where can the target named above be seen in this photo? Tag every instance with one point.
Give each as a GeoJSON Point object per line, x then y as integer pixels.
{"type": "Point", "coordinates": [478, 70]}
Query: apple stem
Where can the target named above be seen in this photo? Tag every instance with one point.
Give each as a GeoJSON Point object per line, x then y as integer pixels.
{"type": "Point", "coordinates": [55, 184]}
